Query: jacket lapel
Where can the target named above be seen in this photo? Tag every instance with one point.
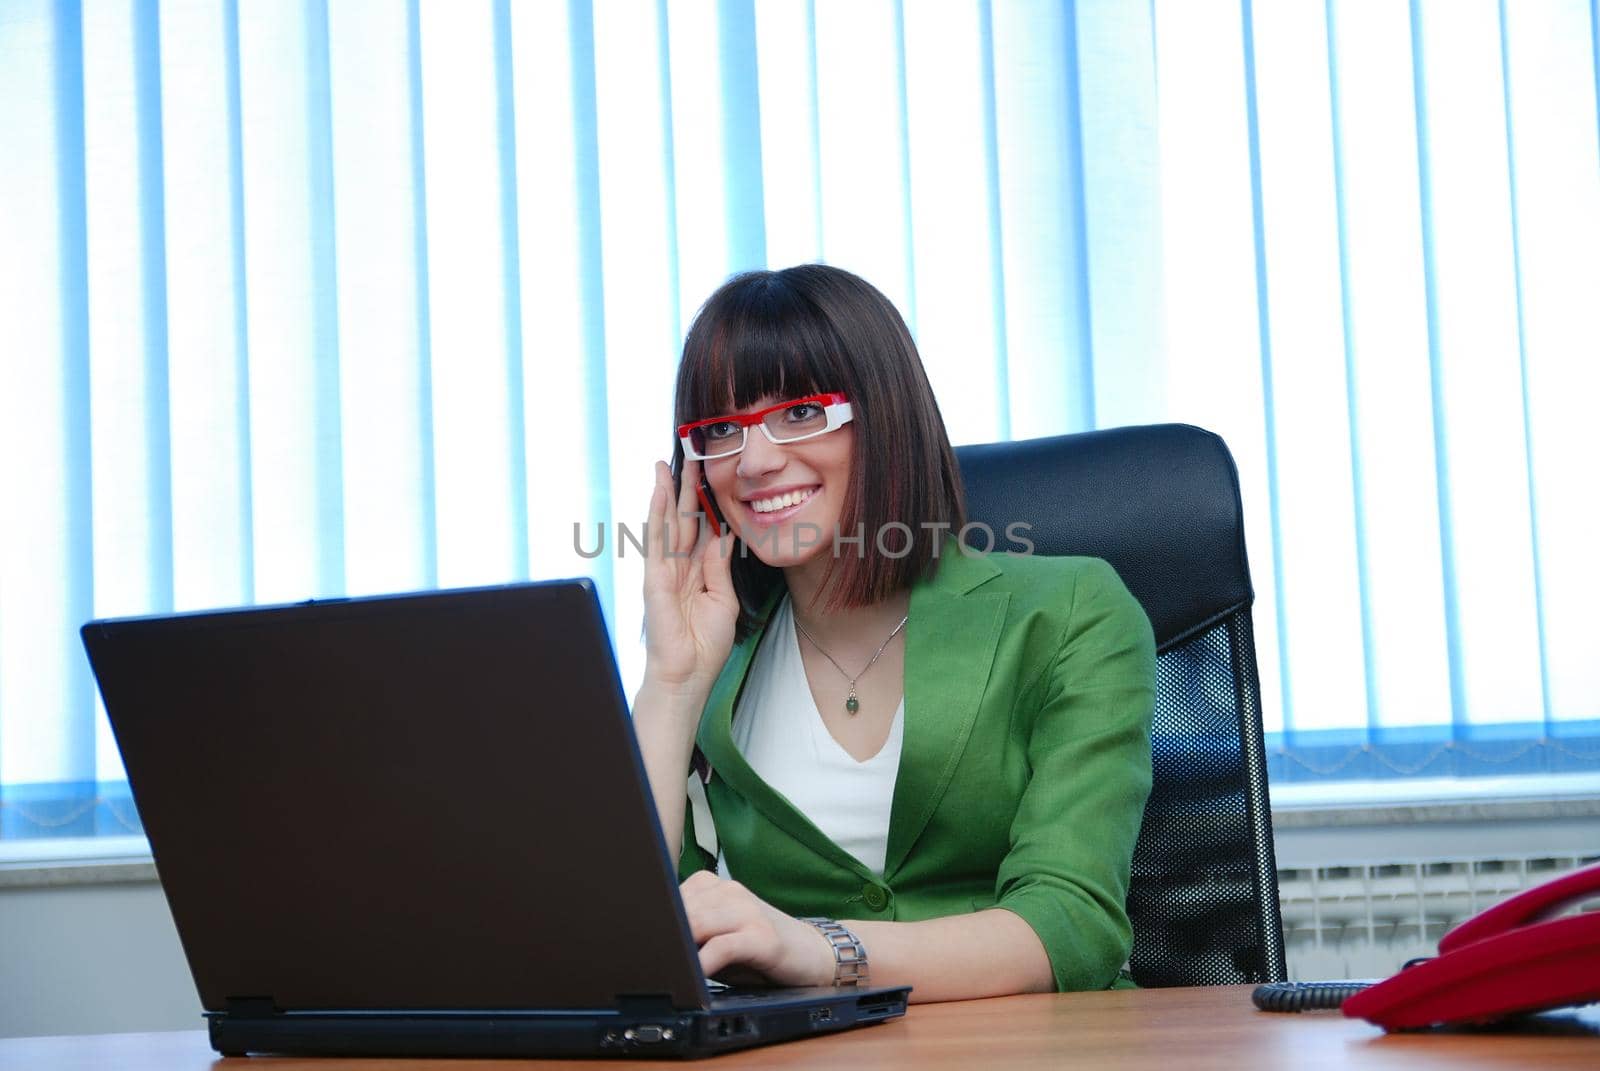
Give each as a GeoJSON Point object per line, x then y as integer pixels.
{"type": "Point", "coordinates": [950, 647]}
{"type": "Point", "coordinates": [716, 743]}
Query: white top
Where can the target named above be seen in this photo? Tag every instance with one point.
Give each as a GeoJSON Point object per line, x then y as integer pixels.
{"type": "Point", "coordinates": [778, 730]}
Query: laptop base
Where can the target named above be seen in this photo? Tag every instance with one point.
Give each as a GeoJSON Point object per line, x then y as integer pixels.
{"type": "Point", "coordinates": [730, 1024]}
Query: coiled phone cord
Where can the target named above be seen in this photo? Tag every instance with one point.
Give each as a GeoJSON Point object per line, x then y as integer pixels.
{"type": "Point", "coordinates": [1304, 996]}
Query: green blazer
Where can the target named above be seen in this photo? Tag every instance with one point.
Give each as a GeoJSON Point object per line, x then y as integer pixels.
{"type": "Point", "coordinates": [1029, 686]}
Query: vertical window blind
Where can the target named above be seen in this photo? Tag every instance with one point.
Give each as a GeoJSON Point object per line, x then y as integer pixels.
{"type": "Point", "coordinates": [350, 296]}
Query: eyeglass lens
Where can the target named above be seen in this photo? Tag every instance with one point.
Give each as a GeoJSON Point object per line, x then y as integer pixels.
{"type": "Point", "coordinates": [785, 425]}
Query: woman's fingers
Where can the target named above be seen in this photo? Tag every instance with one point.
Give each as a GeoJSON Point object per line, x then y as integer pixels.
{"type": "Point", "coordinates": [655, 517]}
{"type": "Point", "coordinates": [698, 882]}
{"type": "Point", "coordinates": [658, 498]}
{"type": "Point", "coordinates": [666, 527]}
{"type": "Point", "coordinates": [727, 949]}
{"type": "Point", "coordinates": [658, 575]}
{"type": "Point", "coordinates": [715, 906]}
{"type": "Point", "coordinates": [671, 534]}
{"type": "Point", "coordinates": [707, 921]}
{"type": "Point", "coordinates": [688, 526]}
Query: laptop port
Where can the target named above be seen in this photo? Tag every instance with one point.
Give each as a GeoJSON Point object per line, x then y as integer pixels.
{"type": "Point", "coordinates": [870, 1008]}
{"type": "Point", "coordinates": [820, 1016]}
{"type": "Point", "coordinates": [648, 1034]}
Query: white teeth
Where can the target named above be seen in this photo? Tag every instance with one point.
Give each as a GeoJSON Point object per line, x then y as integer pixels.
{"type": "Point", "coordinates": [784, 501]}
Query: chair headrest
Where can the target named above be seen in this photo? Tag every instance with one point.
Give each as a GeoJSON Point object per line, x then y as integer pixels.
{"type": "Point", "coordinates": [1159, 502]}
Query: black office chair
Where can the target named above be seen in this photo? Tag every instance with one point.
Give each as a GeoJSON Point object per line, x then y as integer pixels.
{"type": "Point", "coordinates": [1161, 504]}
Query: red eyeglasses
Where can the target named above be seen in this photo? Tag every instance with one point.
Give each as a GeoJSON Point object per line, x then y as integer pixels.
{"type": "Point", "coordinates": [787, 422]}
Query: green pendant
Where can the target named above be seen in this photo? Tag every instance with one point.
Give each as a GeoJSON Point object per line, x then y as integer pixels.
{"type": "Point", "coordinates": [852, 704]}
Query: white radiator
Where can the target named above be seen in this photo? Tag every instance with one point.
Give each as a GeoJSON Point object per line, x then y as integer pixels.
{"type": "Point", "coordinates": [1364, 920]}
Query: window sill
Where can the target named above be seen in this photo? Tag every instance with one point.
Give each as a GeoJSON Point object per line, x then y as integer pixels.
{"type": "Point", "coordinates": [1432, 800]}
{"type": "Point", "coordinates": [70, 861]}
{"type": "Point", "coordinates": [45, 863]}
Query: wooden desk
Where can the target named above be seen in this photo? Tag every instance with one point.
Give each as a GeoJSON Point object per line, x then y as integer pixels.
{"type": "Point", "coordinates": [1168, 1029]}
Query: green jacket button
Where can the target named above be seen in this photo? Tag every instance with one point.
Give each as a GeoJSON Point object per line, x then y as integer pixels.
{"type": "Point", "coordinates": [877, 898]}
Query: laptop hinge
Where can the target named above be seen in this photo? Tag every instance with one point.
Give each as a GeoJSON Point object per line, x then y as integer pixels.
{"type": "Point", "coordinates": [644, 1005]}
{"type": "Point", "coordinates": [252, 1007]}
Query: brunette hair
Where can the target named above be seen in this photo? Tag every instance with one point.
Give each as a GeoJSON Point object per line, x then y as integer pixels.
{"type": "Point", "coordinates": [813, 329]}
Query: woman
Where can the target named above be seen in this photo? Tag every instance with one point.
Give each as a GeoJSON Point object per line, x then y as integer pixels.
{"type": "Point", "coordinates": [946, 752]}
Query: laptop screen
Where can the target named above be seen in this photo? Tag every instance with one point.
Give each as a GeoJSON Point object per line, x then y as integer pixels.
{"type": "Point", "coordinates": [413, 802]}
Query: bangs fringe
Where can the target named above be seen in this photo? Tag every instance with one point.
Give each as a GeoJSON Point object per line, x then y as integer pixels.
{"type": "Point", "coordinates": [765, 342]}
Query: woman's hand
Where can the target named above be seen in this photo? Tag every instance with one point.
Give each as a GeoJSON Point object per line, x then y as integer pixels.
{"type": "Point", "coordinates": [739, 934]}
{"type": "Point", "coordinates": [689, 604]}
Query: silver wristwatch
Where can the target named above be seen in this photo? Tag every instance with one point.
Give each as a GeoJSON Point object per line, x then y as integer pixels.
{"type": "Point", "coordinates": [849, 954]}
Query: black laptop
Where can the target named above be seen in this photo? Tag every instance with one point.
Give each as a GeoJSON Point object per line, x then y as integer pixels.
{"type": "Point", "coordinates": [419, 825]}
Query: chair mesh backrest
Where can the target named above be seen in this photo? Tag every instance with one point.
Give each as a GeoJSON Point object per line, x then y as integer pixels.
{"type": "Point", "coordinates": [1161, 504]}
{"type": "Point", "coordinates": [1204, 909]}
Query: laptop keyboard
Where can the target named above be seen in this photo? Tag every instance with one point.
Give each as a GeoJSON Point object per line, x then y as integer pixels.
{"type": "Point", "coordinates": [755, 995]}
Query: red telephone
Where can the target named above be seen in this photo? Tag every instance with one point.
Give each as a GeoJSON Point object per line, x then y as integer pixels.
{"type": "Point", "coordinates": [1511, 959]}
{"type": "Point", "coordinates": [708, 504]}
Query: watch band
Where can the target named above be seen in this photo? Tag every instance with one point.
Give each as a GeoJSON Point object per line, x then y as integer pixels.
{"type": "Point", "coordinates": [849, 954]}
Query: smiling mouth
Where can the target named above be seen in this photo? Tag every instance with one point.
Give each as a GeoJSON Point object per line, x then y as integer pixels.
{"type": "Point", "coordinates": [784, 501]}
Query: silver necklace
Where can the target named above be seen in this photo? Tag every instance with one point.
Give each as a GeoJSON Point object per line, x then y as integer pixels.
{"type": "Point", "coordinates": [851, 704]}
